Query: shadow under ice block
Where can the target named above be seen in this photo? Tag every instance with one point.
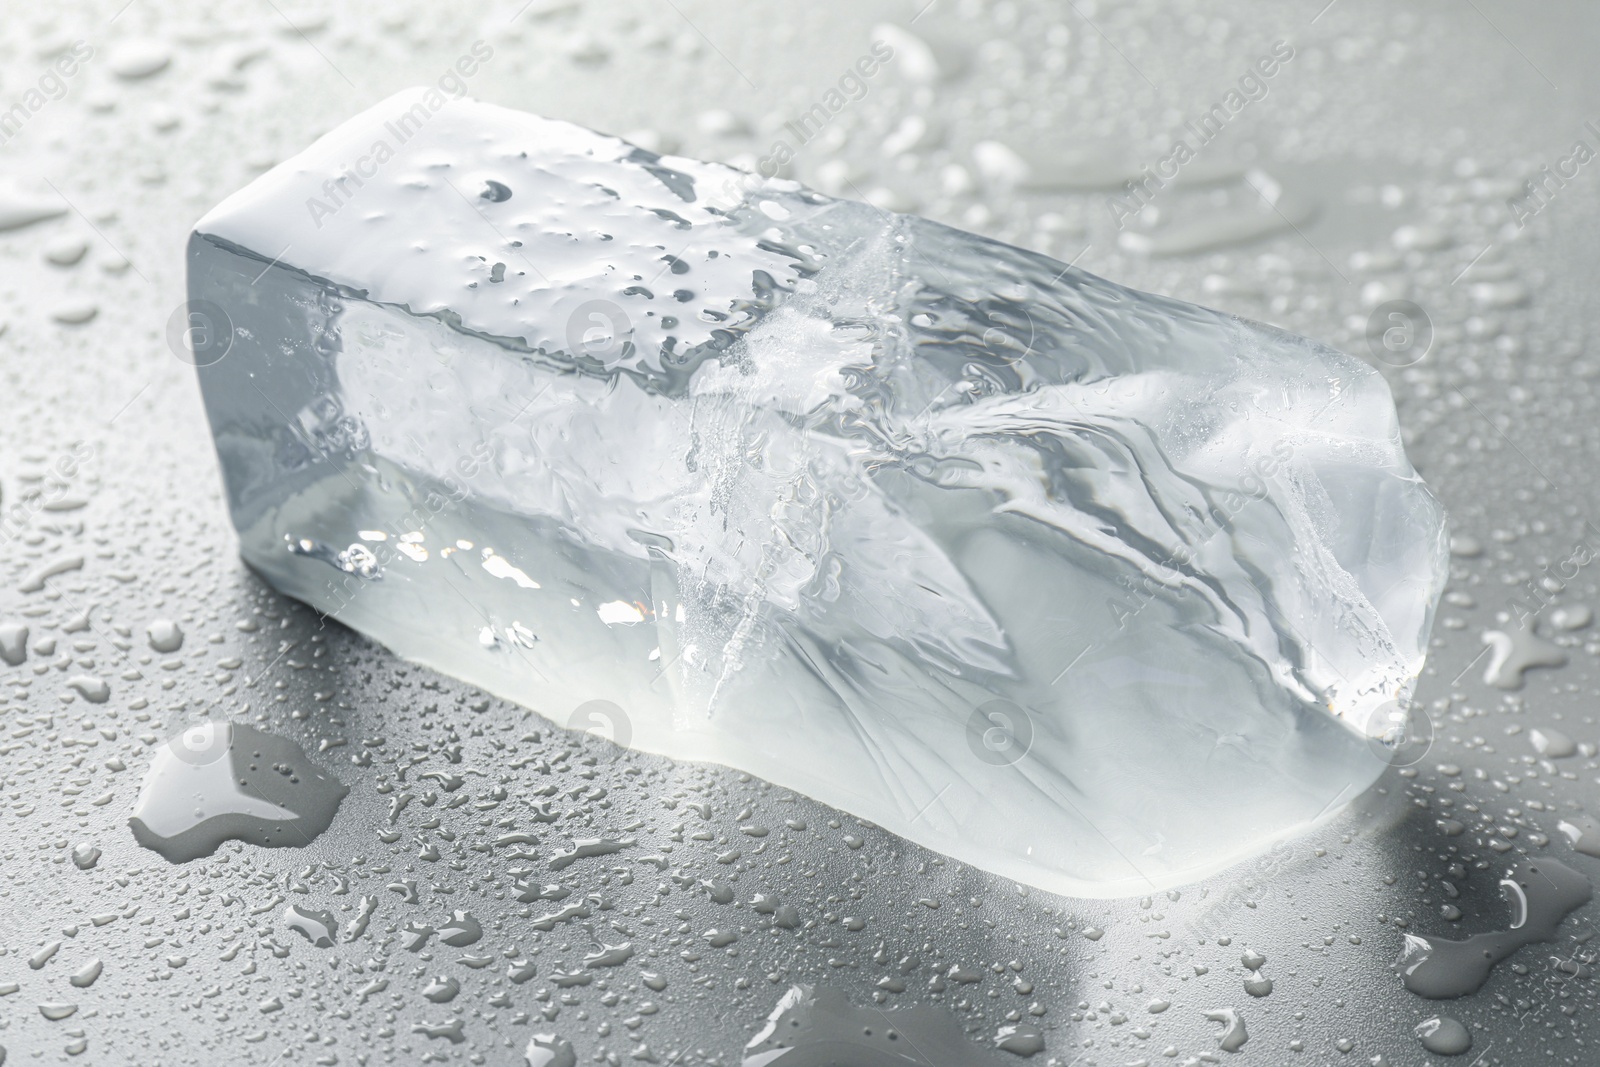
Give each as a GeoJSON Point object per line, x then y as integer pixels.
{"type": "Point", "coordinates": [1090, 588]}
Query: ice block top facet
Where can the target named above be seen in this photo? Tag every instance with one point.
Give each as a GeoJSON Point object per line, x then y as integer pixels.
{"type": "Point", "coordinates": [508, 224]}
{"type": "Point", "coordinates": [1091, 588]}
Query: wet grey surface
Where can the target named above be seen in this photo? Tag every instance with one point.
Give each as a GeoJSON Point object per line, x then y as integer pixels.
{"type": "Point", "coordinates": [465, 914]}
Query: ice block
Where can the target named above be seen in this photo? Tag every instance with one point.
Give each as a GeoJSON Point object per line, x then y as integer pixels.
{"type": "Point", "coordinates": [1093, 589]}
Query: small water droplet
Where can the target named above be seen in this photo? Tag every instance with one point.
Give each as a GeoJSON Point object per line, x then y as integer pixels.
{"type": "Point", "coordinates": [142, 58]}
{"type": "Point", "coordinates": [549, 1050]}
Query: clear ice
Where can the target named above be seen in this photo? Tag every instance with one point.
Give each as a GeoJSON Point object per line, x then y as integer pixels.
{"type": "Point", "coordinates": [1090, 588]}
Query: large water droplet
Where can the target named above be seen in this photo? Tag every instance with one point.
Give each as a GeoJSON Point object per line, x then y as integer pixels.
{"type": "Point", "coordinates": [217, 781]}
{"type": "Point", "coordinates": [137, 59]}
{"type": "Point", "coordinates": [1444, 1036]}
{"type": "Point", "coordinates": [548, 1050]}
{"type": "Point", "coordinates": [318, 927]}
{"type": "Point", "coordinates": [18, 209]}
{"type": "Point", "coordinates": [1541, 892]}
{"type": "Point", "coordinates": [1234, 1034]}
{"type": "Point", "coordinates": [165, 635]}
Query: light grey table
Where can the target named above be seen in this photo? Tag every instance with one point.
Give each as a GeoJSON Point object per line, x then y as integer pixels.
{"type": "Point", "coordinates": [1385, 160]}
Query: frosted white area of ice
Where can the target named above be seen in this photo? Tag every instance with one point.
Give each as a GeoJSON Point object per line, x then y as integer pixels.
{"type": "Point", "coordinates": [589, 215]}
{"type": "Point", "coordinates": [1090, 588]}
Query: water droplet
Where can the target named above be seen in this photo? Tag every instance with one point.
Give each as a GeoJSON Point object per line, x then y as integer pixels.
{"type": "Point", "coordinates": [18, 209]}
{"type": "Point", "coordinates": [450, 1031]}
{"type": "Point", "coordinates": [1572, 617]}
{"type": "Point", "coordinates": [13, 643]}
{"type": "Point", "coordinates": [1422, 237]}
{"type": "Point", "coordinates": [1506, 294]}
{"type": "Point", "coordinates": [1583, 832]}
{"type": "Point", "coordinates": [86, 975]}
{"type": "Point", "coordinates": [915, 59]}
{"type": "Point", "coordinates": [720, 122]}
{"type": "Point", "coordinates": [1257, 985]}
{"type": "Point", "coordinates": [66, 252]}
{"type": "Point", "coordinates": [1020, 1039]}
{"type": "Point", "coordinates": [1551, 744]}
{"type": "Point", "coordinates": [165, 635]}
{"type": "Point", "coordinates": [1444, 1036]}
{"type": "Point", "coordinates": [609, 956]}
{"type": "Point", "coordinates": [35, 581]}
{"type": "Point", "coordinates": [1541, 892]}
{"type": "Point", "coordinates": [132, 60]}
{"type": "Point", "coordinates": [220, 781]}
{"type": "Point", "coordinates": [442, 990]}
{"type": "Point", "coordinates": [94, 690]}
{"type": "Point", "coordinates": [1234, 1034]}
{"type": "Point", "coordinates": [1513, 653]}
{"type": "Point", "coordinates": [75, 313]}
{"type": "Point", "coordinates": [462, 930]}
{"type": "Point", "coordinates": [318, 927]}
{"type": "Point", "coordinates": [583, 847]}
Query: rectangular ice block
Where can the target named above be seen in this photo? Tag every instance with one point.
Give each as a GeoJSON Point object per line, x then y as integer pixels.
{"type": "Point", "coordinates": [1091, 588]}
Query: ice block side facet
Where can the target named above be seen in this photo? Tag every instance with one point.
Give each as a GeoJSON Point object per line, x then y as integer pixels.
{"type": "Point", "coordinates": [1090, 588]}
